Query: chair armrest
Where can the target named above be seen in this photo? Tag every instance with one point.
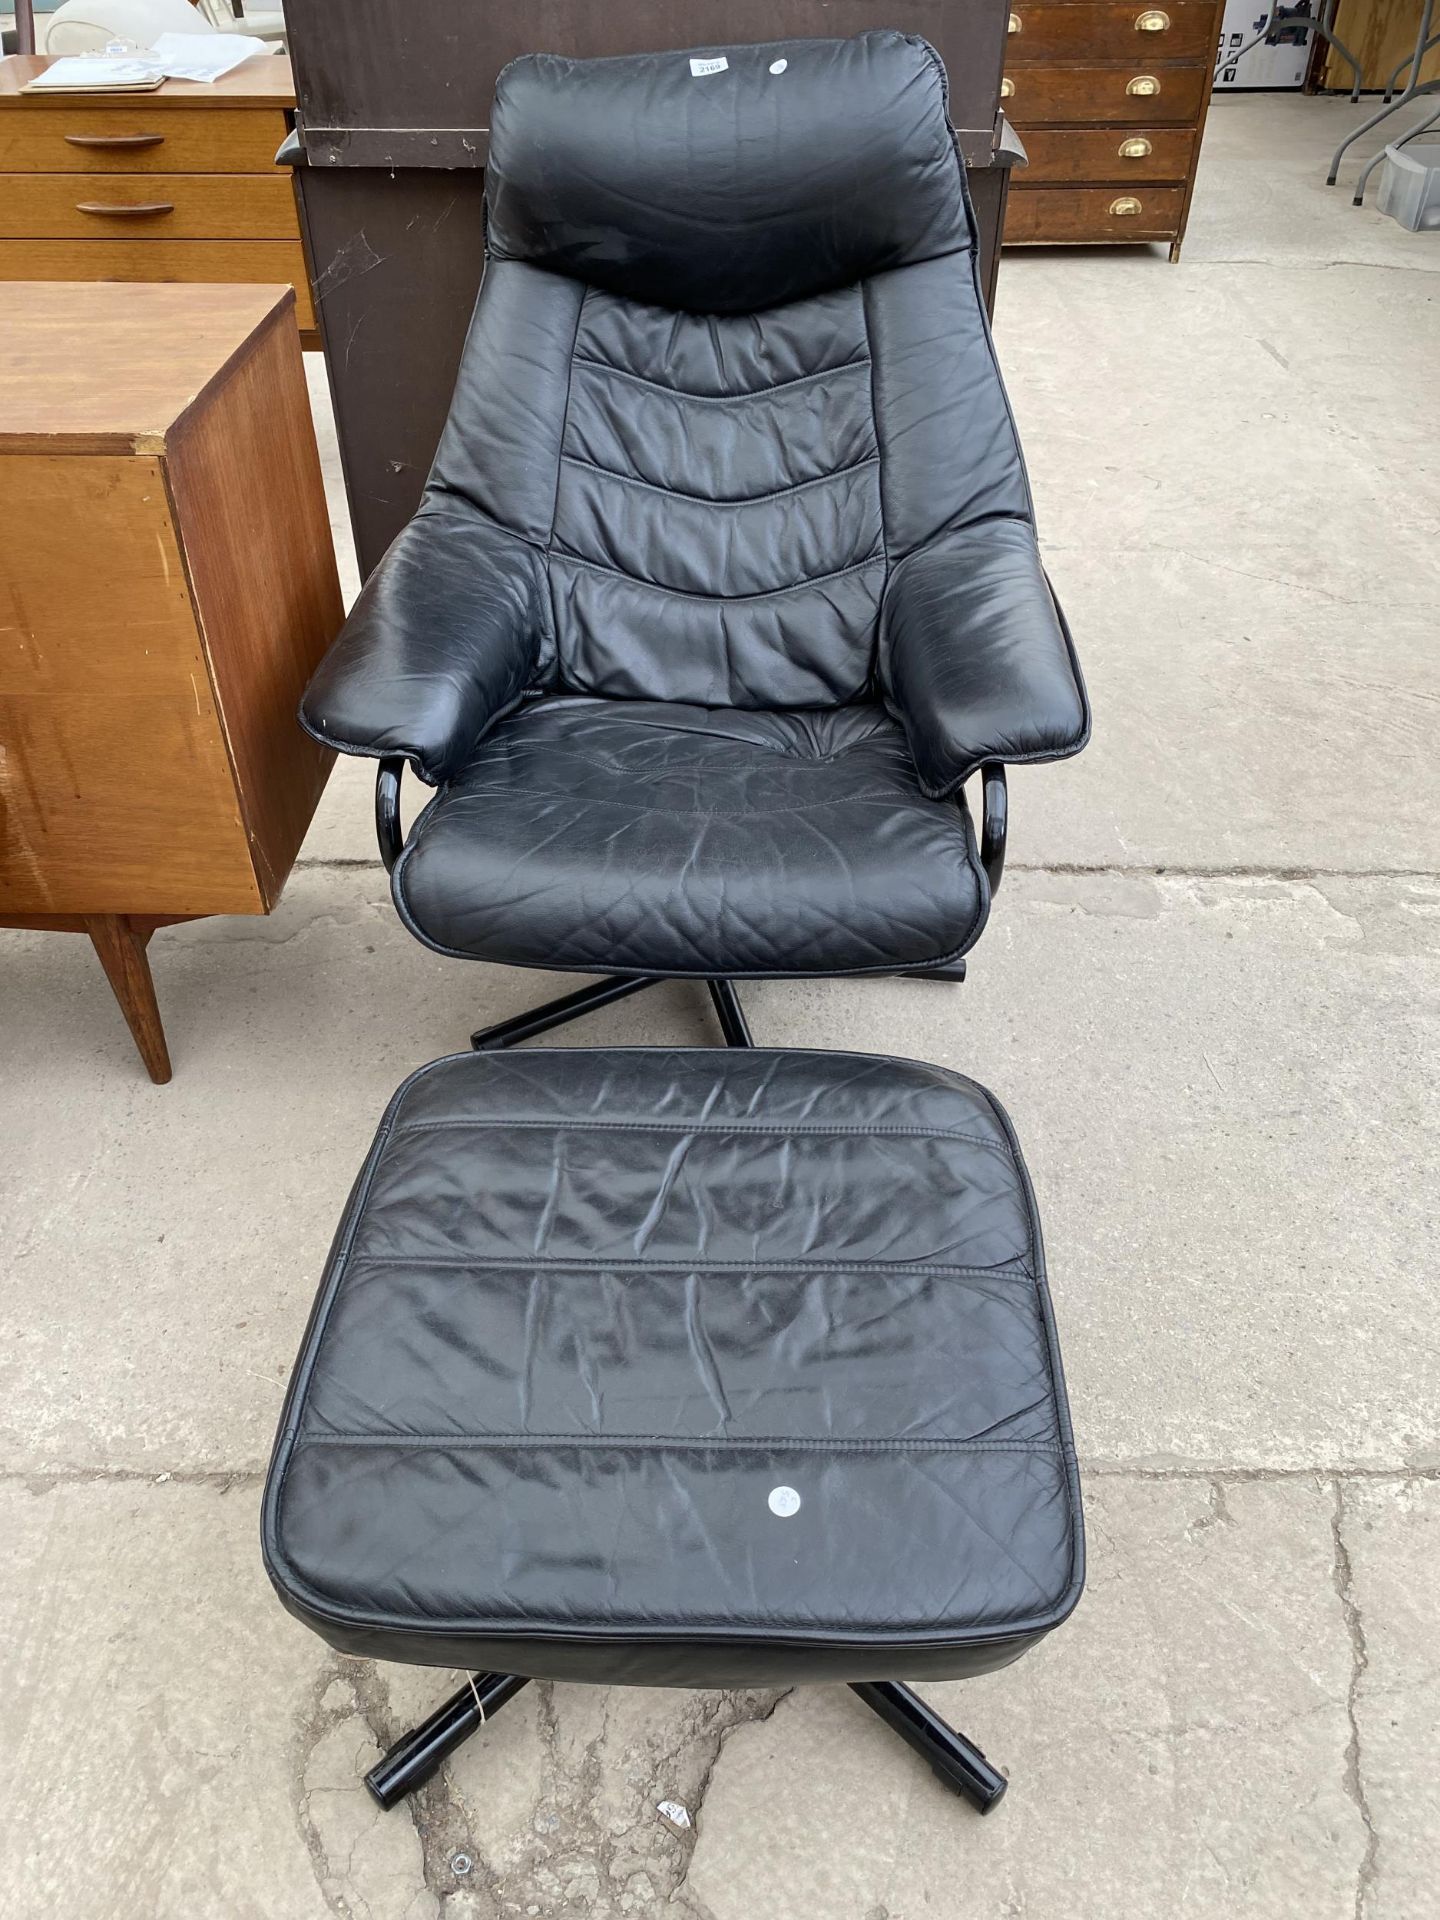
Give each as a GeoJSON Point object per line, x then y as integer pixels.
{"type": "Point", "coordinates": [442, 642]}
{"type": "Point", "coordinates": [975, 658]}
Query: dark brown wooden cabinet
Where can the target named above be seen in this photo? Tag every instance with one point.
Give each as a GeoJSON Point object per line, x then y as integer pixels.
{"type": "Point", "coordinates": [1110, 102]}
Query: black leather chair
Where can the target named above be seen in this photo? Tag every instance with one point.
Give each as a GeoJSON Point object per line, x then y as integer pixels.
{"type": "Point", "coordinates": [725, 580]}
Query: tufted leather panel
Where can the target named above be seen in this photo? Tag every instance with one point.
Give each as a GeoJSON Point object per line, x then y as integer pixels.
{"type": "Point", "coordinates": [625, 835]}
{"type": "Point", "coordinates": [718, 534]}
{"type": "Point", "coordinates": [588, 1309]}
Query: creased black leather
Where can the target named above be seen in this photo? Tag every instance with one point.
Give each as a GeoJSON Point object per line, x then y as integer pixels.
{"type": "Point", "coordinates": [728, 434]}
{"type": "Point", "coordinates": [588, 1309]}
{"type": "Point", "coordinates": [606, 835]}
{"type": "Point", "coordinates": [975, 657]}
{"type": "Point", "coordinates": [726, 192]}
{"type": "Point", "coordinates": [443, 640]}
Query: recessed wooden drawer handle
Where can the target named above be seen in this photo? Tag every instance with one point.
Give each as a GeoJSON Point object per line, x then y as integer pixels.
{"type": "Point", "coordinates": [1135, 149]}
{"type": "Point", "coordinates": [125, 213]}
{"type": "Point", "coordinates": [1153, 20]}
{"type": "Point", "coordinates": [1007, 88]}
{"type": "Point", "coordinates": [1013, 24]}
{"type": "Point", "coordinates": [1125, 206]}
{"type": "Point", "coordinates": [1144, 85]}
{"type": "Point", "coordinates": [128, 142]}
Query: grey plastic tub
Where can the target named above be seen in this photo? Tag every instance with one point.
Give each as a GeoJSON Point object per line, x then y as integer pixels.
{"type": "Point", "coordinates": [1410, 184]}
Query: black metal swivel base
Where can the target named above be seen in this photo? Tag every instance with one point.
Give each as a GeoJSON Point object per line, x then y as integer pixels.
{"type": "Point", "coordinates": [954, 1759]}
{"type": "Point", "coordinates": [570, 1006]}
{"type": "Point", "coordinates": [604, 993]}
{"type": "Point", "coordinates": [420, 1754]}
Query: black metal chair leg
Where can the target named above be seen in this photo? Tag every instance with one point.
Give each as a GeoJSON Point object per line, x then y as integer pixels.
{"type": "Point", "coordinates": [419, 1754]}
{"type": "Point", "coordinates": [555, 1013]}
{"type": "Point", "coordinates": [733, 1023]}
{"type": "Point", "coordinates": [957, 1761]}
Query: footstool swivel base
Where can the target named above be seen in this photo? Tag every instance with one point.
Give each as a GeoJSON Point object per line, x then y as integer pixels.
{"type": "Point", "coordinates": [956, 1760]}
{"type": "Point", "coordinates": [418, 1756]}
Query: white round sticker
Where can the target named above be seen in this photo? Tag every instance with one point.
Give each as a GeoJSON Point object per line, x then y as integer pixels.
{"type": "Point", "coordinates": [784, 1501]}
{"type": "Point", "coordinates": [779, 66]}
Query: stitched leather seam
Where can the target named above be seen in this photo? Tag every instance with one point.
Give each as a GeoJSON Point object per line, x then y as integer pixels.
{"type": "Point", "coordinates": [879, 443]}
{"type": "Point", "coordinates": [718, 399]}
{"type": "Point", "coordinates": [895, 1639]}
{"type": "Point", "coordinates": [757, 747]}
{"type": "Point", "coordinates": [633, 805]}
{"type": "Point", "coordinates": [529, 1262]}
{"type": "Point", "coordinates": [720, 500]}
{"type": "Point", "coordinates": [714, 599]}
{"type": "Point", "coordinates": [549, 582]}
{"type": "Point", "coordinates": [565, 417]}
{"type": "Point", "coordinates": [775, 1130]}
{"type": "Point", "coordinates": [671, 1443]}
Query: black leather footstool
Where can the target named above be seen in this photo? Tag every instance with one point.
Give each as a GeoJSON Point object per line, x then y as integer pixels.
{"type": "Point", "coordinates": [702, 1368]}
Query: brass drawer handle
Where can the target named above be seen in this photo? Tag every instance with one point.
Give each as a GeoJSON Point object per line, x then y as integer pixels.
{"type": "Point", "coordinates": [1007, 88]}
{"type": "Point", "coordinates": [123, 142]}
{"type": "Point", "coordinates": [1153, 20]}
{"type": "Point", "coordinates": [1125, 206]}
{"type": "Point", "coordinates": [125, 213]}
{"type": "Point", "coordinates": [1135, 149]}
{"type": "Point", "coordinates": [1014, 24]}
{"type": "Point", "coordinates": [1144, 86]}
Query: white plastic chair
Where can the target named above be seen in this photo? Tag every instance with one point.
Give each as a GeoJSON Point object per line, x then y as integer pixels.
{"type": "Point", "coordinates": [264, 23]}
{"type": "Point", "coordinates": [88, 26]}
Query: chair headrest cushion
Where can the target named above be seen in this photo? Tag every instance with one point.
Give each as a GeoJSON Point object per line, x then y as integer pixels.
{"type": "Point", "coordinates": [731, 179]}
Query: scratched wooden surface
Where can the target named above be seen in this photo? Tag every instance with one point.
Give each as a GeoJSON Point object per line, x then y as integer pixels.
{"type": "Point", "coordinates": [167, 583]}
{"type": "Point", "coordinates": [265, 78]}
{"type": "Point", "coordinates": [110, 368]}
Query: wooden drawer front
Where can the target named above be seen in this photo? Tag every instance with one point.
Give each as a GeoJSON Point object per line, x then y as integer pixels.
{"type": "Point", "coordinates": [1060, 214]}
{"type": "Point", "coordinates": [83, 138]}
{"type": "Point", "coordinates": [212, 262]}
{"type": "Point", "coordinates": [1057, 96]}
{"type": "Point", "coordinates": [1128, 33]}
{"type": "Point", "coordinates": [176, 206]}
{"type": "Point", "coordinates": [1070, 154]}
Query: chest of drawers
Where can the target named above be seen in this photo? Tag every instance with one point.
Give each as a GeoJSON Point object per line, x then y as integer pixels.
{"type": "Point", "coordinates": [1110, 102]}
{"type": "Point", "coordinates": [180, 184]}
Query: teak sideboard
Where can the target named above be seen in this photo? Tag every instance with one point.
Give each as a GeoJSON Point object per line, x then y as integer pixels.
{"type": "Point", "coordinates": [179, 184]}
{"type": "Point", "coordinates": [167, 586]}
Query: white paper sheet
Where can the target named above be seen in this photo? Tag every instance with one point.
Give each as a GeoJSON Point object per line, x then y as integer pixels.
{"type": "Point", "coordinates": [97, 71]}
{"type": "Point", "coordinates": [205, 56]}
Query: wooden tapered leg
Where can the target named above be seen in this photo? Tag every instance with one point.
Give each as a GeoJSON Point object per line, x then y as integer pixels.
{"type": "Point", "coordinates": [121, 944]}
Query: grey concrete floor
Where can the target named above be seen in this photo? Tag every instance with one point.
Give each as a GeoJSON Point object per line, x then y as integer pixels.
{"type": "Point", "coordinates": [1209, 998]}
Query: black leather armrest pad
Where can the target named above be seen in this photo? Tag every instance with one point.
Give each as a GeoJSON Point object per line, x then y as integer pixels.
{"type": "Point", "coordinates": [975, 657]}
{"type": "Point", "coordinates": [442, 642]}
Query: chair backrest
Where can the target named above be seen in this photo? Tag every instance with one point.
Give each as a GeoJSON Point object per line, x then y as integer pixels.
{"type": "Point", "coordinates": [730, 362]}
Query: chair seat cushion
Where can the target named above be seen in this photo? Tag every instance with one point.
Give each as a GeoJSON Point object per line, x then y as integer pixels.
{"type": "Point", "coordinates": [682, 1367]}
{"type": "Point", "coordinates": [647, 837]}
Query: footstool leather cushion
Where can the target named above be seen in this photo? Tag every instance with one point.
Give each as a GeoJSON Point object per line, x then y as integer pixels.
{"type": "Point", "coordinates": [595, 1319]}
